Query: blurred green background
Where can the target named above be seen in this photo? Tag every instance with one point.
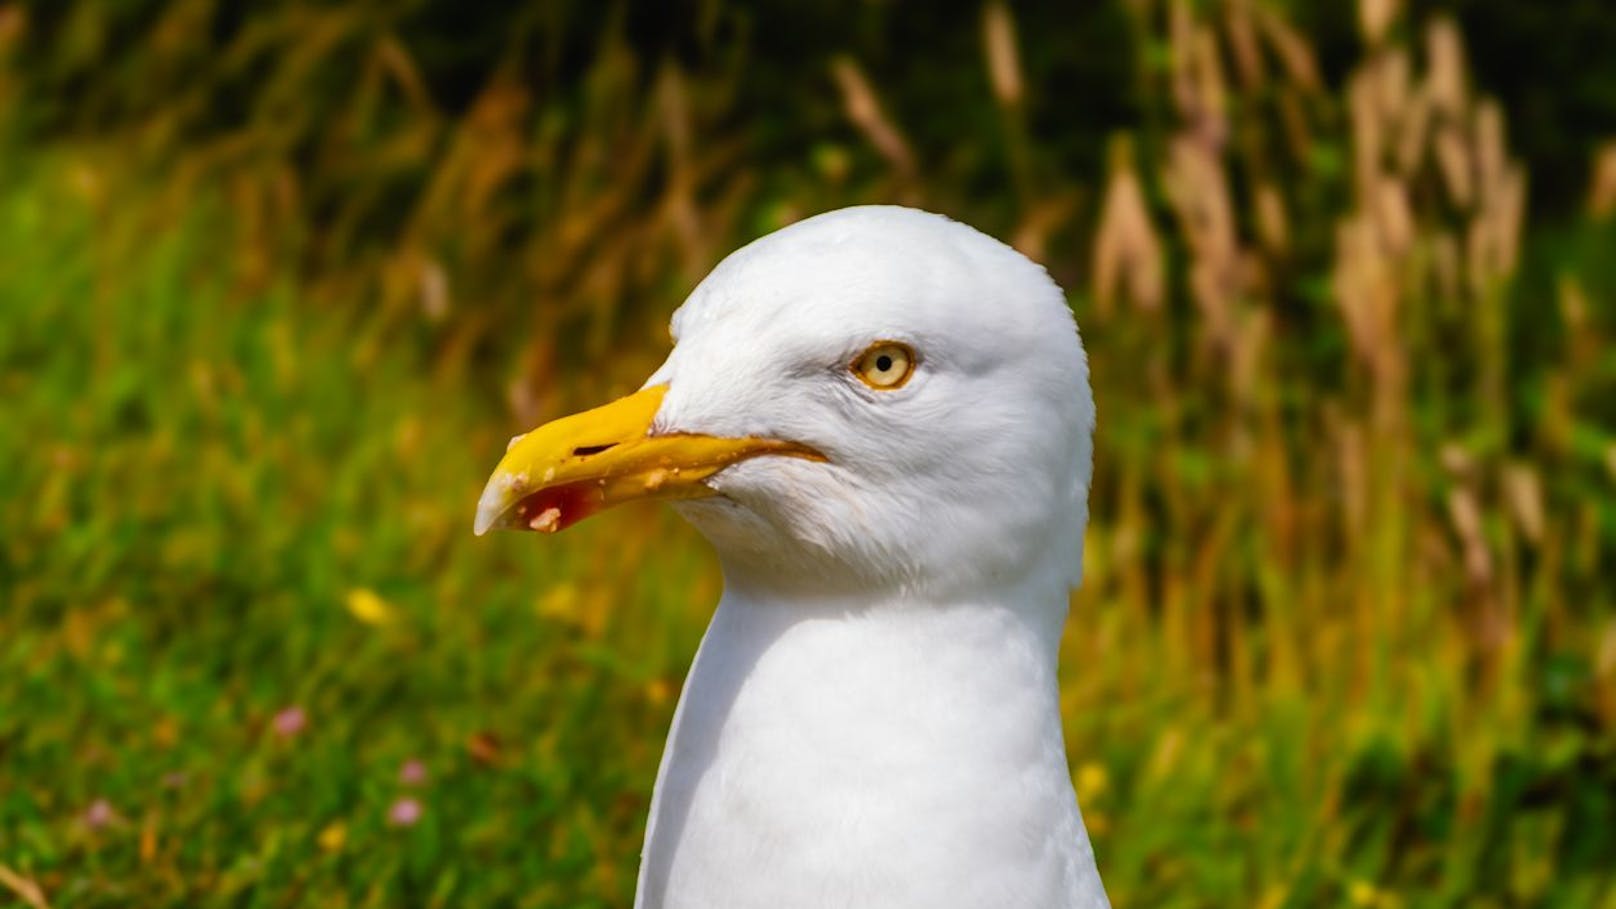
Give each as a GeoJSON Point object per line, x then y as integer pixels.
{"type": "Point", "coordinates": [277, 280]}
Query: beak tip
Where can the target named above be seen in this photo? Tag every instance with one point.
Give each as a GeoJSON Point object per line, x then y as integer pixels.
{"type": "Point", "coordinates": [500, 493]}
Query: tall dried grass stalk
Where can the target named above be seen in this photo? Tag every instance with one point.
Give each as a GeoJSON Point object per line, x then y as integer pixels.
{"type": "Point", "coordinates": [865, 110]}
{"type": "Point", "coordinates": [1420, 254]}
{"type": "Point", "coordinates": [999, 47]}
{"type": "Point", "coordinates": [1602, 188]}
{"type": "Point", "coordinates": [1128, 261]}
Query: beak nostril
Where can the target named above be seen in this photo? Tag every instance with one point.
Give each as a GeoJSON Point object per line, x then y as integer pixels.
{"type": "Point", "coordinates": [584, 451]}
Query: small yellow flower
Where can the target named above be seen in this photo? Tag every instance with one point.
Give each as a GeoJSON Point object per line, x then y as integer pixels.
{"type": "Point", "coordinates": [1273, 897]}
{"type": "Point", "coordinates": [367, 606]}
{"type": "Point", "coordinates": [1092, 781]}
{"type": "Point", "coordinates": [657, 691]}
{"type": "Point", "coordinates": [1362, 893]}
{"type": "Point", "coordinates": [560, 603]}
{"type": "Point", "coordinates": [333, 836]}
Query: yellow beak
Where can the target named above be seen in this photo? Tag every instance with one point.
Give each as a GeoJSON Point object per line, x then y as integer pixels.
{"type": "Point", "coordinates": [566, 470]}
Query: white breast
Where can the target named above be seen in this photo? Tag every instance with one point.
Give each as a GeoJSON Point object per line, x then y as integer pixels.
{"type": "Point", "coordinates": [833, 756]}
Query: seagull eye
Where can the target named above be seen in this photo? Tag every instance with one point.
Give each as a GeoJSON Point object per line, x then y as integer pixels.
{"type": "Point", "coordinates": [885, 366]}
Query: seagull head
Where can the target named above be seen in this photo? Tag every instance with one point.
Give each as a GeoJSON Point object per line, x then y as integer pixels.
{"type": "Point", "coordinates": [876, 398]}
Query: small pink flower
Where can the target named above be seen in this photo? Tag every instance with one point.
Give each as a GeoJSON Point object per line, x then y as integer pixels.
{"type": "Point", "coordinates": [290, 722]}
{"type": "Point", "coordinates": [412, 773]}
{"type": "Point", "coordinates": [99, 815]}
{"type": "Point", "coordinates": [404, 813]}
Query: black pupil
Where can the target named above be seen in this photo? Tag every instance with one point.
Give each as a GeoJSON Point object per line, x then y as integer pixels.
{"type": "Point", "coordinates": [883, 363]}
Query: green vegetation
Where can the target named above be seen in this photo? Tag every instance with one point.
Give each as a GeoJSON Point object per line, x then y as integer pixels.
{"type": "Point", "coordinates": [275, 289]}
{"type": "Point", "coordinates": [218, 511]}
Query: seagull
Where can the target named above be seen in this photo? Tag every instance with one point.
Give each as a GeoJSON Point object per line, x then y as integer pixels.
{"type": "Point", "coordinates": [881, 419]}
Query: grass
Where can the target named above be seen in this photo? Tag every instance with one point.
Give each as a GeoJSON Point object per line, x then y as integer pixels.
{"type": "Point", "coordinates": [1348, 634]}
{"type": "Point", "coordinates": [241, 594]}
{"type": "Point", "coordinates": [200, 494]}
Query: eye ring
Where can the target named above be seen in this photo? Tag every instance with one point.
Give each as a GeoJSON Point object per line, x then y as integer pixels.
{"type": "Point", "coordinates": [885, 365]}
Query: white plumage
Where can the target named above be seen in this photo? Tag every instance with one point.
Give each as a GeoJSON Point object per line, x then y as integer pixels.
{"type": "Point", "coordinates": [873, 719]}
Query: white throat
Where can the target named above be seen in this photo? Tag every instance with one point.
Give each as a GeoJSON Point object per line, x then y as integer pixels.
{"type": "Point", "coordinates": [841, 753]}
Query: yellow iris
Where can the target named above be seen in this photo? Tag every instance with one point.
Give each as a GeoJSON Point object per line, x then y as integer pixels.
{"type": "Point", "coordinates": [886, 366]}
